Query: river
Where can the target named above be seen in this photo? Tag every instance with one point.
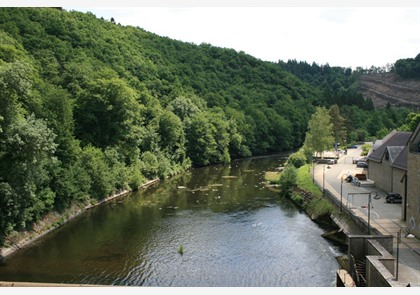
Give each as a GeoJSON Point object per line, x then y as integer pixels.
{"type": "Point", "coordinates": [233, 230]}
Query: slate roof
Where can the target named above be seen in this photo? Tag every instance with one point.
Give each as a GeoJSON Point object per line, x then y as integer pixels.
{"type": "Point", "coordinates": [401, 160]}
{"type": "Point", "coordinates": [396, 146]}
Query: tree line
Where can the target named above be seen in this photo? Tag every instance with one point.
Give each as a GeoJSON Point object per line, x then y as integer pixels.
{"type": "Point", "coordinates": [408, 68]}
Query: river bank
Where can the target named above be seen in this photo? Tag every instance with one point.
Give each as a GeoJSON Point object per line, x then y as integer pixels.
{"type": "Point", "coordinates": [54, 220]}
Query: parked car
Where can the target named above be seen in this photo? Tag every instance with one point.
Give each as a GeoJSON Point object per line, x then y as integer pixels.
{"type": "Point", "coordinates": [362, 159]}
{"type": "Point", "coordinates": [393, 198]}
{"type": "Point", "coordinates": [355, 181]}
{"type": "Point", "coordinates": [353, 146]}
{"type": "Point", "coordinates": [361, 164]}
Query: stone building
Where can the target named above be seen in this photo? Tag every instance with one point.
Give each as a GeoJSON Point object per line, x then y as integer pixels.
{"type": "Point", "coordinates": [388, 165]}
{"type": "Point", "coordinates": [413, 183]}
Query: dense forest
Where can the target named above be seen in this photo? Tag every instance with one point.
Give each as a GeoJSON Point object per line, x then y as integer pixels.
{"type": "Point", "coordinates": [89, 108]}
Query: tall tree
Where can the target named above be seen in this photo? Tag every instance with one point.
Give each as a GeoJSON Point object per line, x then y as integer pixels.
{"type": "Point", "coordinates": [339, 126]}
{"type": "Point", "coordinates": [319, 136]}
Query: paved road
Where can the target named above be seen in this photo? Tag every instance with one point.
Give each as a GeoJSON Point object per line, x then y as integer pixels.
{"type": "Point", "coordinates": [384, 217]}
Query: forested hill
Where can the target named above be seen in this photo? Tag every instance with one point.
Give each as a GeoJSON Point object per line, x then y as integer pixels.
{"type": "Point", "coordinates": [90, 107]}
{"type": "Point", "coordinates": [70, 50]}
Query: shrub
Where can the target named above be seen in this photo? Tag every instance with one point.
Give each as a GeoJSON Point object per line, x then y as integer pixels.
{"type": "Point", "coordinates": [297, 159]}
{"type": "Point", "coordinates": [287, 180]}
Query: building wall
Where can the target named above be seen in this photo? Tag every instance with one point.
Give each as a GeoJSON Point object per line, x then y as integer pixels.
{"type": "Point", "coordinates": [413, 192]}
{"type": "Point", "coordinates": [381, 173]}
{"type": "Point", "coordinates": [397, 185]}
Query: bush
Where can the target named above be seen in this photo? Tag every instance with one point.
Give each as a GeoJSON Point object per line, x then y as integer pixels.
{"type": "Point", "coordinates": [366, 148]}
{"type": "Point", "coordinates": [297, 159]}
{"type": "Point", "coordinates": [287, 181]}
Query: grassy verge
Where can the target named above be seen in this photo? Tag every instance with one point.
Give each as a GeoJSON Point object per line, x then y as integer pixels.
{"type": "Point", "coordinates": [304, 181]}
{"type": "Point", "coordinates": [308, 196]}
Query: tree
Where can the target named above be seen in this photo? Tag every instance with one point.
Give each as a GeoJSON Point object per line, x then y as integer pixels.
{"type": "Point", "coordinates": [15, 87]}
{"type": "Point", "coordinates": [411, 122]}
{"type": "Point", "coordinates": [171, 135]}
{"type": "Point", "coordinates": [94, 163]}
{"type": "Point", "coordinates": [339, 126]}
{"type": "Point", "coordinates": [319, 136]}
{"type": "Point", "coordinates": [107, 114]}
{"type": "Point", "coordinates": [26, 161]}
{"type": "Point", "coordinates": [201, 144]}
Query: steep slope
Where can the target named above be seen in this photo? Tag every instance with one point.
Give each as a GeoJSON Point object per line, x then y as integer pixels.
{"type": "Point", "coordinates": [387, 88]}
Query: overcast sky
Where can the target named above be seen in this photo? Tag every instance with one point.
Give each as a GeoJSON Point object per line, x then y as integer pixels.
{"type": "Point", "coordinates": [354, 33]}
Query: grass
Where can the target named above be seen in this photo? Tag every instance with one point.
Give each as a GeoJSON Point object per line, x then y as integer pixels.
{"type": "Point", "coordinates": [318, 206]}
{"type": "Point", "coordinates": [181, 250]}
{"type": "Point", "coordinates": [304, 181]}
{"type": "Point", "coordinates": [272, 177]}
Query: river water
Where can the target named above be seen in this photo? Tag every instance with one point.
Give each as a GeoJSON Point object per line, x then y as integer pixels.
{"type": "Point", "coordinates": [234, 232]}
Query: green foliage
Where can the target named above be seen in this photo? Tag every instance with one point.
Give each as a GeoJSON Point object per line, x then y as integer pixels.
{"type": "Point", "coordinates": [365, 149]}
{"type": "Point", "coordinates": [320, 131]}
{"type": "Point", "coordinates": [107, 113]}
{"type": "Point", "coordinates": [304, 181]}
{"type": "Point", "coordinates": [181, 250]}
{"type": "Point", "coordinates": [25, 161]}
{"type": "Point", "coordinates": [339, 126]}
{"type": "Point", "coordinates": [99, 176]}
{"type": "Point", "coordinates": [319, 207]}
{"type": "Point", "coordinates": [411, 122]}
{"type": "Point", "coordinates": [297, 159]}
{"type": "Point", "coordinates": [272, 177]}
{"type": "Point", "coordinates": [150, 165]}
{"type": "Point", "coordinates": [408, 68]}
{"type": "Point", "coordinates": [201, 144]}
{"type": "Point", "coordinates": [287, 181]}
{"type": "Point", "coordinates": [298, 199]}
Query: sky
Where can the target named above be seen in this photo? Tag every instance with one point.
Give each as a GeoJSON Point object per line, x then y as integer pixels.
{"type": "Point", "coordinates": [348, 34]}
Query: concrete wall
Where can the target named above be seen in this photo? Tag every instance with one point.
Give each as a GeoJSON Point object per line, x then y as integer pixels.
{"type": "Point", "coordinates": [361, 245]}
{"type": "Point", "coordinates": [413, 193]}
{"type": "Point", "coordinates": [380, 264]}
{"type": "Point", "coordinates": [377, 275]}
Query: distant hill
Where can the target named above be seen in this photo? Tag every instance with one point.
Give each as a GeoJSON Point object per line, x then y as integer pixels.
{"type": "Point", "coordinates": [384, 88]}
